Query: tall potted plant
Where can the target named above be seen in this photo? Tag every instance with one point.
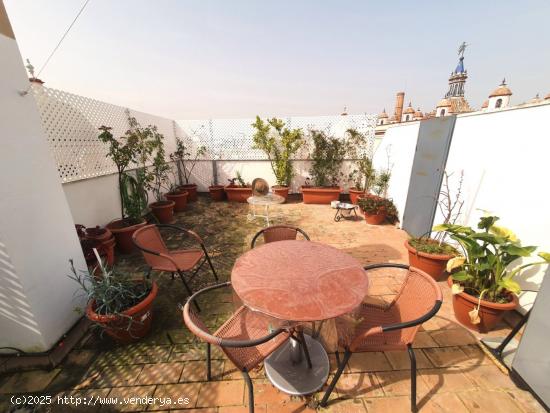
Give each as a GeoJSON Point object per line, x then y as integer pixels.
{"type": "Point", "coordinates": [431, 253]}
{"type": "Point", "coordinates": [363, 177]}
{"type": "Point", "coordinates": [134, 146]}
{"type": "Point", "coordinates": [327, 157]}
{"type": "Point", "coordinates": [482, 279]}
{"type": "Point", "coordinates": [162, 209]}
{"type": "Point", "coordinates": [185, 163]}
{"type": "Point", "coordinates": [121, 306]}
{"type": "Point", "coordinates": [279, 144]}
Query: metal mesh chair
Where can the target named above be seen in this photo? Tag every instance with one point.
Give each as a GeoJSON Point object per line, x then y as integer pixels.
{"type": "Point", "coordinates": [278, 233]}
{"type": "Point", "coordinates": [242, 338]}
{"type": "Point", "coordinates": [159, 258]}
{"type": "Point", "coordinates": [393, 326]}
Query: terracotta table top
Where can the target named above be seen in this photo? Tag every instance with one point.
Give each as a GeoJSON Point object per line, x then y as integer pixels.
{"type": "Point", "coordinates": [299, 281]}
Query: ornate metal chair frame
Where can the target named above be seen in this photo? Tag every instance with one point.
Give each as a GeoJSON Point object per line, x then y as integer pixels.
{"type": "Point", "coordinates": [198, 328]}
{"type": "Point", "coordinates": [378, 330]}
{"type": "Point", "coordinates": [181, 273]}
{"type": "Point", "coordinates": [276, 227]}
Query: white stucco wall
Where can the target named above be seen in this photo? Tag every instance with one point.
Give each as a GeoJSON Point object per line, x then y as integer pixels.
{"type": "Point", "coordinates": [37, 236]}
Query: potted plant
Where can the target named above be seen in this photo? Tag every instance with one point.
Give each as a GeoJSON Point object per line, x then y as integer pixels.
{"type": "Point", "coordinates": [103, 236]}
{"type": "Point", "coordinates": [238, 192]}
{"type": "Point", "coordinates": [377, 210]}
{"type": "Point", "coordinates": [133, 196]}
{"type": "Point", "coordinates": [430, 254]}
{"type": "Point", "coordinates": [179, 196]}
{"type": "Point", "coordinates": [363, 176]}
{"type": "Point", "coordinates": [327, 158]}
{"type": "Point", "coordinates": [279, 144]}
{"type": "Point", "coordinates": [121, 306]}
{"type": "Point", "coordinates": [162, 209]}
{"type": "Point", "coordinates": [217, 192]}
{"type": "Point", "coordinates": [185, 164]}
{"type": "Point", "coordinates": [482, 279]}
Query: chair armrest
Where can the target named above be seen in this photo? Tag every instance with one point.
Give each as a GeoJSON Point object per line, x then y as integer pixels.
{"type": "Point", "coordinates": [373, 331]}
{"type": "Point", "coordinates": [188, 231]}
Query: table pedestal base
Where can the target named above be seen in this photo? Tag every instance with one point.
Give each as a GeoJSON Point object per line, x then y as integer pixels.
{"type": "Point", "coordinates": [294, 376]}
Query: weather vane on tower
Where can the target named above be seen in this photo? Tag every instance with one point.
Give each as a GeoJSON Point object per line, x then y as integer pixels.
{"type": "Point", "coordinates": [462, 48]}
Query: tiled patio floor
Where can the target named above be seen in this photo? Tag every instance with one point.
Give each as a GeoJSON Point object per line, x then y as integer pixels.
{"type": "Point", "coordinates": [454, 374]}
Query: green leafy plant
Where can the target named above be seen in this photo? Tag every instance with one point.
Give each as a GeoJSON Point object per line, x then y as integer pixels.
{"type": "Point", "coordinates": [279, 144]}
{"type": "Point", "coordinates": [485, 269]}
{"type": "Point", "coordinates": [160, 170]}
{"type": "Point", "coordinates": [363, 176]}
{"type": "Point", "coordinates": [240, 179]}
{"type": "Point", "coordinates": [431, 246]}
{"type": "Point", "coordinates": [184, 161]}
{"type": "Point", "coordinates": [373, 205]}
{"type": "Point", "coordinates": [327, 158]}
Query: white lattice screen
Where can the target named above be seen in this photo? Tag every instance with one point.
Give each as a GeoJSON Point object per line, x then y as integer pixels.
{"type": "Point", "coordinates": [71, 123]}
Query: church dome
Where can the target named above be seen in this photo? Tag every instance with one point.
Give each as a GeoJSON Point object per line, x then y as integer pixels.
{"type": "Point", "coordinates": [536, 99]}
{"type": "Point", "coordinates": [547, 97]}
{"type": "Point", "coordinates": [502, 90]}
{"type": "Point", "coordinates": [418, 114]}
{"type": "Point", "coordinates": [409, 109]}
{"type": "Point", "coordinates": [444, 103]}
{"type": "Point", "coordinates": [485, 104]}
{"type": "Point", "coordinates": [383, 114]}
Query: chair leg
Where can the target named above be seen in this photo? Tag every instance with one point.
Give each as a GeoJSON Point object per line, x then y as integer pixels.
{"type": "Point", "coordinates": [208, 363]}
{"type": "Point", "coordinates": [413, 377]}
{"type": "Point", "coordinates": [211, 267]}
{"type": "Point", "coordinates": [250, 391]}
{"type": "Point", "coordinates": [188, 290]}
{"type": "Point", "coordinates": [148, 273]}
{"type": "Point", "coordinates": [341, 368]}
{"type": "Point", "coordinates": [173, 275]}
{"type": "Point", "coordinates": [337, 354]}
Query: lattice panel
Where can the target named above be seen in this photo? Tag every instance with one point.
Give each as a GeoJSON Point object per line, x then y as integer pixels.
{"type": "Point", "coordinates": [71, 123]}
{"type": "Point", "coordinates": [231, 139]}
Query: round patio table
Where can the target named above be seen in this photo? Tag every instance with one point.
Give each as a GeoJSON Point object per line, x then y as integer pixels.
{"type": "Point", "coordinates": [266, 201]}
{"type": "Point", "coordinates": [297, 282]}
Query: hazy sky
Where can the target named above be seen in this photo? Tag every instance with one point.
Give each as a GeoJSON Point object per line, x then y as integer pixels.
{"type": "Point", "coordinates": [199, 59]}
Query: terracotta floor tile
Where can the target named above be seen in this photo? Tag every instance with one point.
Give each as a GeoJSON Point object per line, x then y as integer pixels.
{"type": "Point", "coordinates": [291, 407]}
{"type": "Point", "coordinates": [490, 377]}
{"type": "Point", "coordinates": [344, 406]}
{"type": "Point", "coordinates": [177, 393]}
{"type": "Point", "coordinates": [489, 401]}
{"type": "Point", "coordinates": [258, 408]}
{"type": "Point", "coordinates": [476, 355]}
{"type": "Point", "coordinates": [445, 380]}
{"type": "Point", "coordinates": [446, 356]}
{"type": "Point", "coordinates": [196, 370]}
{"type": "Point", "coordinates": [266, 393]}
{"type": "Point", "coordinates": [160, 373]}
{"type": "Point", "coordinates": [526, 401]}
{"type": "Point", "coordinates": [117, 375]}
{"type": "Point", "coordinates": [358, 385]}
{"type": "Point", "coordinates": [423, 339]}
{"type": "Point", "coordinates": [399, 360]}
{"type": "Point", "coordinates": [128, 393]}
{"type": "Point", "coordinates": [441, 403]}
{"type": "Point", "coordinates": [28, 382]}
{"type": "Point", "coordinates": [371, 361]}
{"type": "Point", "coordinates": [388, 404]}
{"type": "Point", "coordinates": [398, 383]}
{"type": "Point", "coordinates": [453, 337]}
{"type": "Point", "coordinates": [221, 393]}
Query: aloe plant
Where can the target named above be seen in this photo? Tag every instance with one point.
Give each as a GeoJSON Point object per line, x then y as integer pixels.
{"type": "Point", "coordinates": [484, 269]}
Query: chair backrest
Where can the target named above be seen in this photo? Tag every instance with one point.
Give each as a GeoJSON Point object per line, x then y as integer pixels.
{"type": "Point", "coordinates": [278, 233]}
{"type": "Point", "coordinates": [148, 238]}
{"type": "Point", "coordinates": [417, 297]}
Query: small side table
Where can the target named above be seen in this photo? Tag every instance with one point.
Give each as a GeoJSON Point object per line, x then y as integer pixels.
{"type": "Point", "coordinates": [266, 201]}
{"type": "Point", "coordinates": [344, 211]}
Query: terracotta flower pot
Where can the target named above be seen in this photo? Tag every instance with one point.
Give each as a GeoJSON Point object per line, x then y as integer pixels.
{"type": "Point", "coordinates": [490, 313]}
{"type": "Point", "coordinates": [375, 219]}
{"type": "Point", "coordinates": [217, 193]}
{"type": "Point", "coordinates": [123, 234]}
{"type": "Point", "coordinates": [191, 190]}
{"type": "Point", "coordinates": [164, 211]}
{"type": "Point", "coordinates": [433, 264]}
{"type": "Point", "coordinates": [320, 195]}
{"type": "Point", "coordinates": [107, 239]}
{"type": "Point", "coordinates": [281, 191]}
{"type": "Point", "coordinates": [354, 195]}
{"type": "Point", "coordinates": [238, 193]}
{"type": "Point", "coordinates": [117, 327]}
{"type": "Point", "coordinates": [179, 199]}
{"type": "Point", "coordinates": [110, 250]}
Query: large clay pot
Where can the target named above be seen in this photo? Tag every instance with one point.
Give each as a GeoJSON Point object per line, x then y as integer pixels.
{"type": "Point", "coordinates": [238, 193]}
{"type": "Point", "coordinates": [179, 199]}
{"type": "Point", "coordinates": [117, 327]}
{"type": "Point", "coordinates": [107, 240]}
{"type": "Point", "coordinates": [490, 313]}
{"type": "Point", "coordinates": [320, 195]}
{"type": "Point", "coordinates": [217, 193]}
{"type": "Point", "coordinates": [354, 195]}
{"type": "Point", "coordinates": [375, 219]}
{"type": "Point", "coordinates": [433, 264]}
{"type": "Point", "coordinates": [123, 234]}
{"type": "Point", "coordinates": [281, 191]}
{"type": "Point", "coordinates": [164, 211]}
{"type": "Point", "coordinates": [191, 190]}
